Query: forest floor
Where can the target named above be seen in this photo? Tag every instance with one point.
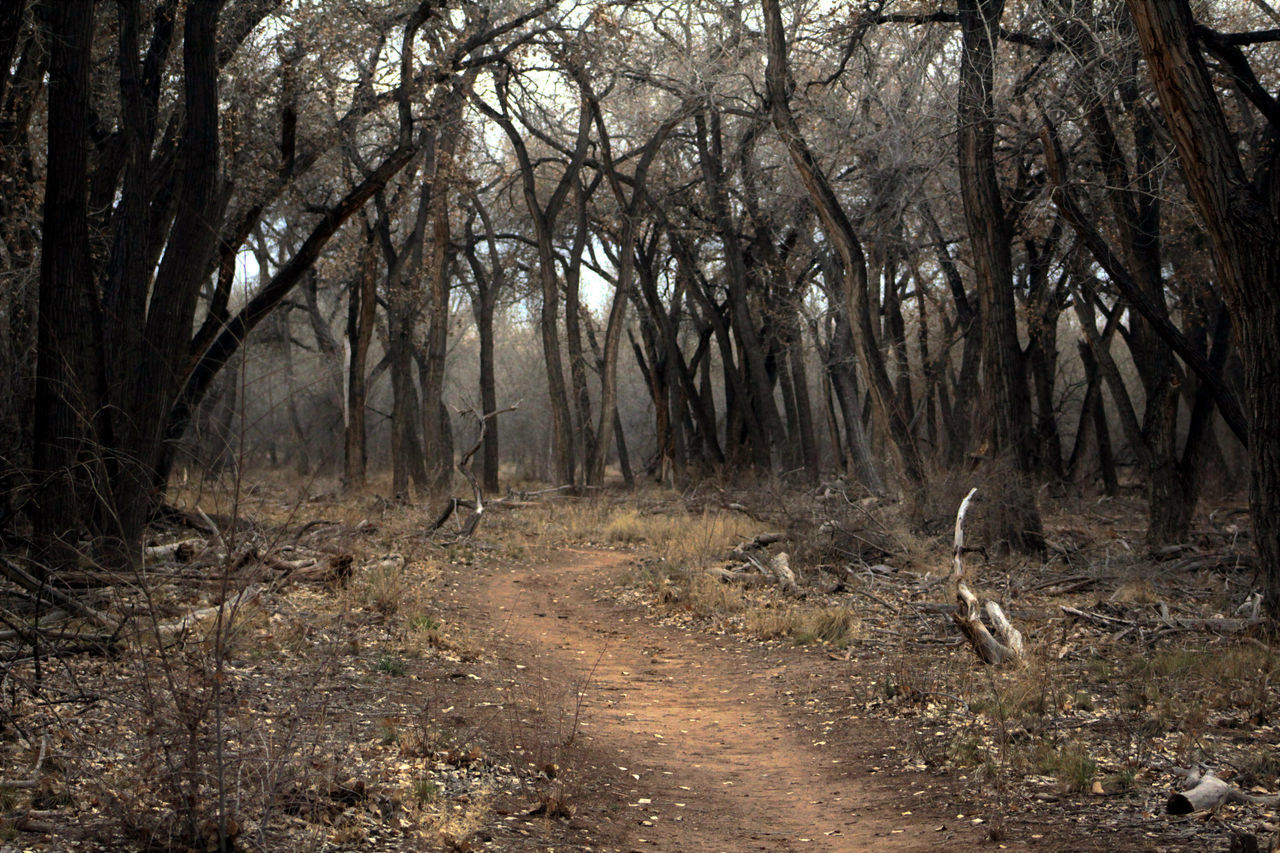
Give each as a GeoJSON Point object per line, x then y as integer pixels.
{"type": "Point", "coordinates": [573, 677]}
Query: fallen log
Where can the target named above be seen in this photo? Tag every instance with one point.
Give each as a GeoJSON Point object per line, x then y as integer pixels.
{"type": "Point", "coordinates": [1220, 562]}
{"type": "Point", "coordinates": [176, 627]}
{"type": "Point", "coordinates": [1207, 792]}
{"type": "Point", "coordinates": [24, 579]}
{"type": "Point", "coordinates": [731, 576]}
{"type": "Point", "coordinates": [1216, 624]}
{"type": "Point", "coordinates": [780, 567]}
{"type": "Point", "coordinates": [759, 543]}
{"type": "Point", "coordinates": [34, 778]}
{"type": "Point", "coordinates": [182, 551]}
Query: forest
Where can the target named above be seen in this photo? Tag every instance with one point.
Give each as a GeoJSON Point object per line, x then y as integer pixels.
{"type": "Point", "coordinates": [821, 308]}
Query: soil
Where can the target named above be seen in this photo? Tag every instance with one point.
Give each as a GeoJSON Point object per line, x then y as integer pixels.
{"type": "Point", "coordinates": [686, 740]}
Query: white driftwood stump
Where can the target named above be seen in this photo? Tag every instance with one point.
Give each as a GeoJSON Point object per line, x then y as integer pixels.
{"type": "Point", "coordinates": [1006, 645]}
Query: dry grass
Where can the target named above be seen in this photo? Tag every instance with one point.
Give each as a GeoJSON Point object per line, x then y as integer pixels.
{"type": "Point", "coordinates": [682, 539]}
{"type": "Point", "coordinates": [707, 597]}
{"type": "Point", "coordinates": [804, 624]}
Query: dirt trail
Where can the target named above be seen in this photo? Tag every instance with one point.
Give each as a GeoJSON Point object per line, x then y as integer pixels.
{"type": "Point", "coordinates": [695, 746]}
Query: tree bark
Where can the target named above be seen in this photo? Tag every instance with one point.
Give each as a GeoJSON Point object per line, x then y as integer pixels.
{"type": "Point", "coordinates": [438, 450]}
{"type": "Point", "coordinates": [488, 284]}
{"type": "Point", "coordinates": [362, 305]}
{"type": "Point", "coordinates": [626, 273]}
{"type": "Point", "coordinates": [1244, 230]}
{"type": "Point", "coordinates": [853, 266]}
{"type": "Point", "coordinates": [68, 368]}
{"type": "Point", "coordinates": [544, 220]}
{"type": "Point", "coordinates": [1005, 394]}
{"type": "Point", "coordinates": [765, 424]}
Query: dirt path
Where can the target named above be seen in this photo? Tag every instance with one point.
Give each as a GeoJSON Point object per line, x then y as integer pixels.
{"type": "Point", "coordinates": [690, 743]}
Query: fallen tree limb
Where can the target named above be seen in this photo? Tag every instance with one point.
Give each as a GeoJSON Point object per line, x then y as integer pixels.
{"type": "Point", "coordinates": [731, 576]}
{"type": "Point", "coordinates": [182, 551]}
{"type": "Point", "coordinates": [1222, 562]}
{"type": "Point", "coordinates": [36, 821]}
{"type": "Point", "coordinates": [176, 627]}
{"type": "Point", "coordinates": [24, 579]}
{"type": "Point", "coordinates": [32, 780]}
{"type": "Point", "coordinates": [217, 532]}
{"type": "Point", "coordinates": [287, 566]}
{"type": "Point", "coordinates": [1207, 792]}
{"type": "Point", "coordinates": [477, 506]}
{"type": "Point", "coordinates": [780, 568]}
{"type": "Point", "coordinates": [1219, 625]}
{"type": "Point", "coordinates": [759, 543]}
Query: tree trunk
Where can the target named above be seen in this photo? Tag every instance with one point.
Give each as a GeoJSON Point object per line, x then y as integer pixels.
{"type": "Point", "coordinates": [1093, 421]}
{"type": "Point", "coordinates": [768, 431]}
{"type": "Point", "coordinates": [853, 266]}
{"type": "Point", "coordinates": [490, 461]}
{"type": "Point", "coordinates": [438, 451]}
{"type": "Point", "coordinates": [544, 220]}
{"type": "Point", "coordinates": [406, 449]}
{"type": "Point", "coordinates": [68, 365]}
{"type": "Point", "coordinates": [804, 408]}
{"type": "Point", "coordinates": [584, 436]}
{"type": "Point", "coordinates": [1005, 395]}
{"type": "Point", "coordinates": [484, 305]}
{"type": "Point", "coordinates": [626, 273]}
{"type": "Point", "coordinates": [1244, 234]}
{"type": "Point", "coordinates": [842, 371]}
{"type": "Point", "coordinates": [361, 308]}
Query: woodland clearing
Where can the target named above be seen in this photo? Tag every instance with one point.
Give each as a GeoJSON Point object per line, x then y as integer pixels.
{"type": "Point", "coordinates": [577, 677]}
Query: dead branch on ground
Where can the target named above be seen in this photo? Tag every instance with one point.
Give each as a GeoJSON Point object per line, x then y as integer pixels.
{"type": "Point", "coordinates": [1205, 791]}
{"type": "Point", "coordinates": [751, 564]}
{"type": "Point", "coordinates": [464, 466]}
{"type": "Point", "coordinates": [1007, 643]}
{"type": "Point", "coordinates": [1165, 621]}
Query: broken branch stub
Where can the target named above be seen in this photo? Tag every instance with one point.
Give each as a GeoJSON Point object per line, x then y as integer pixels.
{"type": "Point", "coordinates": [957, 560]}
{"type": "Point", "coordinates": [464, 467]}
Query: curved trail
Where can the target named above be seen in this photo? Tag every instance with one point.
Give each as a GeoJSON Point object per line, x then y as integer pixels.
{"type": "Point", "coordinates": [692, 745]}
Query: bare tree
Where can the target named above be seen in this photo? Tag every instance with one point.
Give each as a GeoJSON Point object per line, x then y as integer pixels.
{"type": "Point", "coordinates": [1241, 217]}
